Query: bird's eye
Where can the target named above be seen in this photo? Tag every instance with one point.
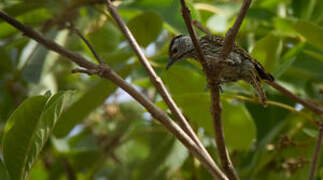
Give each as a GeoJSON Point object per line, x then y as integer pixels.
{"type": "Point", "coordinates": [175, 51]}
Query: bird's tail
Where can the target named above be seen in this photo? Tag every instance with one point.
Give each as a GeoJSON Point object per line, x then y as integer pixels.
{"type": "Point", "coordinates": [256, 85]}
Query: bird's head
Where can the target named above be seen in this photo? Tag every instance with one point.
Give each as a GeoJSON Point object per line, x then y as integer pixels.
{"type": "Point", "coordinates": [181, 47]}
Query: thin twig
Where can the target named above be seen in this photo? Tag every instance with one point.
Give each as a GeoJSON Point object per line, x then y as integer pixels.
{"type": "Point", "coordinates": [186, 13]}
{"type": "Point", "coordinates": [316, 152]}
{"type": "Point", "coordinates": [155, 79]}
{"type": "Point", "coordinates": [273, 103]}
{"type": "Point", "coordinates": [292, 96]}
{"type": "Point", "coordinates": [233, 31]}
{"type": "Point", "coordinates": [97, 57]}
{"type": "Point", "coordinates": [107, 73]}
{"type": "Point", "coordinates": [197, 24]}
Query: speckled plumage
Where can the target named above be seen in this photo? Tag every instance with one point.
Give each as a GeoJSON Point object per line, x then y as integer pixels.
{"type": "Point", "coordinates": [239, 64]}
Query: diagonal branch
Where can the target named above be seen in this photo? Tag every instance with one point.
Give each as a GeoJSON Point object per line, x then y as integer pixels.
{"type": "Point", "coordinates": [158, 83]}
{"type": "Point", "coordinates": [292, 96]}
{"type": "Point", "coordinates": [106, 72]}
{"type": "Point", "coordinates": [186, 13]}
{"type": "Point", "coordinates": [197, 24]}
{"type": "Point", "coordinates": [232, 32]}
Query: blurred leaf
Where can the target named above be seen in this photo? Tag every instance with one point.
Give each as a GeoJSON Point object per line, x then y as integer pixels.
{"type": "Point", "coordinates": [150, 167]}
{"type": "Point", "coordinates": [168, 9]}
{"type": "Point", "coordinates": [35, 16]}
{"type": "Point", "coordinates": [218, 23]}
{"type": "Point", "coordinates": [267, 51]}
{"type": "Point", "coordinates": [188, 87]}
{"type": "Point", "coordinates": [91, 99]}
{"type": "Point", "coordinates": [7, 102]}
{"type": "Point", "coordinates": [146, 27]}
{"type": "Point", "coordinates": [32, 17]}
{"type": "Point", "coordinates": [314, 54]}
{"type": "Point", "coordinates": [311, 32]}
{"type": "Point", "coordinates": [21, 8]}
{"type": "Point", "coordinates": [260, 14]}
{"type": "Point", "coordinates": [104, 39]}
{"type": "Point", "coordinates": [237, 121]}
{"type": "Point", "coordinates": [3, 172]}
{"type": "Point", "coordinates": [38, 172]}
{"type": "Point", "coordinates": [30, 125]}
{"type": "Point", "coordinates": [177, 156]}
{"type": "Point", "coordinates": [75, 114]}
{"type": "Point", "coordinates": [5, 63]}
{"type": "Point", "coordinates": [288, 59]}
{"type": "Point", "coordinates": [183, 80]}
{"type": "Point", "coordinates": [284, 27]}
{"type": "Point", "coordinates": [306, 67]}
{"type": "Point", "coordinates": [35, 55]}
{"type": "Point", "coordinates": [311, 132]}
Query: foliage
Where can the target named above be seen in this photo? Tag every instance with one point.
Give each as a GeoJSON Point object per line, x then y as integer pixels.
{"type": "Point", "coordinates": [98, 131]}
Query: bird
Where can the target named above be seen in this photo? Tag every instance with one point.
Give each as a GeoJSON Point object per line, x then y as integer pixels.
{"type": "Point", "coordinates": [239, 65]}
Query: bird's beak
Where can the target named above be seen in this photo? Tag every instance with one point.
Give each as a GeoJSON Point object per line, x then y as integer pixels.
{"type": "Point", "coordinates": [171, 62]}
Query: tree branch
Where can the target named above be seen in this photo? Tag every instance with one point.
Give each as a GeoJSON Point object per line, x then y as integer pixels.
{"type": "Point", "coordinates": [292, 96]}
{"type": "Point", "coordinates": [158, 83]}
{"type": "Point", "coordinates": [106, 72]}
{"type": "Point", "coordinates": [197, 24]}
{"type": "Point", "coordinates": [232, 32]}
{"type": "Point", "coordinates": [316, 152]}
{"type": "Point", "coordinates": [97, 57]}
{"type": "Point", "coordinates": [188, 21]}
{"type": "Point", "coordinates": [213, 76]}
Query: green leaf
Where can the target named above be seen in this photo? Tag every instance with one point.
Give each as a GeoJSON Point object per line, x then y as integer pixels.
{"type": "Point", "coordinates": [288, 59]}
{"type": "Point", "coordinates": [236, 119]}
{"type": "Point", "coordinates": [311, 32]}
{"type": "Point", "coordinates": [188, 86]}
{"type": "Point", "coordinates": [284, 27]}
{"type": "Point", "coordinates": [177, 156]}
{"type": "Point", "coordinates": [146, 27]}
{"type": "Point", "coordinates": [267, 51]}
{"type": "Point", "coordinates": [314, 54]}
{"type": "Point", "coordinates": [3, 172]}
{"type": "Point", "coordinates": [168, 9]}
{"type": "Point", "coordinates": [30, 125]}
{"type": "Point", "coordinates": [94, 97]}
{"type": "Point", "coordinates": [91, 99]}
{"type": "Point", "coordinates": [5, 63]}
{"type": "Point", "coordinates": [104, 39]}
{"type": "Point", "coordinates": [35, 60]}
{"type": "Point", "coordinates": [152, 165]}
{"type": "Point", "coordinates": [182, 80]}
